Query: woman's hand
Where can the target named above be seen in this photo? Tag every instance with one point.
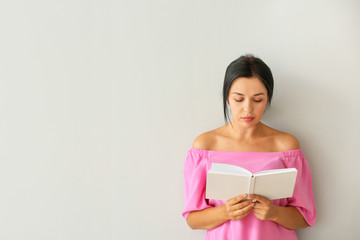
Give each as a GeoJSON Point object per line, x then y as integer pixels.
{"type": "Point", "coordinates": [288, 216]}
{"type": "Point", "coordinates": [264, 209]}
{"type": "Point", "coordinates": [209, 218]}
{"type": "Point", "coordinates": [237, 207]}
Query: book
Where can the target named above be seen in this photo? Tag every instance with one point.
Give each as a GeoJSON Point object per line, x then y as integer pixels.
{"type": "Point", "coordinates": [225, 181]}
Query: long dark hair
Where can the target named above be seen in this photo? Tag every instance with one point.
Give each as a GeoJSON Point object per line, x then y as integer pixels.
{"type": "Point", "coordinates": [247, 66]}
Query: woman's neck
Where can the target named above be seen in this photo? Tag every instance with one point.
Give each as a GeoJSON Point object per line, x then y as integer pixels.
{"type": "Point", "coordinates": [240, 133]}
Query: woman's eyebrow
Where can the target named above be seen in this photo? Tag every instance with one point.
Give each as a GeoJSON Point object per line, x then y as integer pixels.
{"type": "Point", "coordinates": [257, 94]}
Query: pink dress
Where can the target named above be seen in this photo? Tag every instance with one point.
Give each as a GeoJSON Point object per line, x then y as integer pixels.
{"type": "Point", "coordinates": [199, 161]}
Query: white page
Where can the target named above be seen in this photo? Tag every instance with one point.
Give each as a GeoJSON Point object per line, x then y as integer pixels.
{"type": "Point", "coordinates": [275, 186]}
{"type": "Point", "coordinates": [222, 186]}
{"type": "Point", "coordinates": [274, 171]}
{"type": "Point", "coordinates": [228, 168]}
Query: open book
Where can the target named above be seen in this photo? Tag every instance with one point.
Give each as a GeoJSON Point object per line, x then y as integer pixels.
{"type": "Point", "coordinates": [225, 181]}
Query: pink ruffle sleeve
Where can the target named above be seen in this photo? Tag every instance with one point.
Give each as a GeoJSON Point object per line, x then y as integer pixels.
{"type": "Point", "coordinates": [195, 183]}
{"type": "Point", "coordinates": [303, 198]}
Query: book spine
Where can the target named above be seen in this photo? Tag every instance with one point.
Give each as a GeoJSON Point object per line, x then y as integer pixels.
{"type": "Point", "coordinates": [251, 184]}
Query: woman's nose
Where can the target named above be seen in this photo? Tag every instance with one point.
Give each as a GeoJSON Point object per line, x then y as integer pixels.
{"type": "Point", "coordinates": [248, 107]}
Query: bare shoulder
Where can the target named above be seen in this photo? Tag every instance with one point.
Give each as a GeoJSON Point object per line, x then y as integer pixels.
{"type": "Point", "coordinates": [285, 141]}
{"type": "Point", "coordinates": [205, 140]}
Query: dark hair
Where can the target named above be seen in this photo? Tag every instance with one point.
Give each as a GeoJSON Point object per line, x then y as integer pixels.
{"type": "Point", "coordinates": [247, 66]}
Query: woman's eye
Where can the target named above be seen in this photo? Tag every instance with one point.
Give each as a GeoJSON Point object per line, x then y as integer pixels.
{"type": "Point", "coordinates": [240, 100]}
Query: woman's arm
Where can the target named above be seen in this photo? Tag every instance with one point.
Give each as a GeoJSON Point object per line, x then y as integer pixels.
{"type": "Point", "coordinates": [209, 218]}
{"type": "Point", "coordinates": [288, 216]}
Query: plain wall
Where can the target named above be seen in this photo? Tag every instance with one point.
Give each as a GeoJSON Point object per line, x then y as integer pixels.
{"type": "Point", "coordinates": [101, 100]}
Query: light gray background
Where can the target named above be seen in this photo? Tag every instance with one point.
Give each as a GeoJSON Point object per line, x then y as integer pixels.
{"type": "Point", "coordinates": [100, 101]}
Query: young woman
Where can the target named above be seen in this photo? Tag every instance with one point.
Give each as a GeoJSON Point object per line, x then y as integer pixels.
{"type": "Point", "coordinates": [247, 142]}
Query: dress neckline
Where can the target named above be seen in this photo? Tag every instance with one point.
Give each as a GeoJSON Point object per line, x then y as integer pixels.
{"type": "Point", "coordinates": [219, 151]}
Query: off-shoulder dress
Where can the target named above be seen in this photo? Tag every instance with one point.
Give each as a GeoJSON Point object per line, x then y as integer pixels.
{"type": "Point", "coordinates": [198, 162]}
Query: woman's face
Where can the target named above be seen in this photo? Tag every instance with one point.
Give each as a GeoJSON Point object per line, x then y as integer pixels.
{"type": "Point", "coordinates": [247, 100]}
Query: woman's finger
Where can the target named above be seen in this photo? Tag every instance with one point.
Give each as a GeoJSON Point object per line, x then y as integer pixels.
{"type": "Point", "coordinates": [242, 204]}
{"type": "Point", "coordinates": [244, 211]}
{"type": "Point", "coordinates": [237, 199]}
{"type": "Point", "coordinates": [258, 198]}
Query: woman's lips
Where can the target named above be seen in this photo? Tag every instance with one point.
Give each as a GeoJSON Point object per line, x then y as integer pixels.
{"type": "Point", "coordinates": [248, 119]}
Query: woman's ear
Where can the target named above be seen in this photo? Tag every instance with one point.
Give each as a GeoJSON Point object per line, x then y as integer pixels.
{"type": "Point", "coordinates": [267, 106]}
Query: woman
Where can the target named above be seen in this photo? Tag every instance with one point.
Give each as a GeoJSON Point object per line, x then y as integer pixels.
{"type": "Point", "coordinates": [249, 143]}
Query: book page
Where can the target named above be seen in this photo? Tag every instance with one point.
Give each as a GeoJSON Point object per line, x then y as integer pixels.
{"type": "Point", "coordinates": [221, 186]}
{"type": "Point", "coordinates": [280, 170]}
{"type": "Point", "coordinates": [228, 168]}
{"type": "Point", "coordinates": [275, 185]}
